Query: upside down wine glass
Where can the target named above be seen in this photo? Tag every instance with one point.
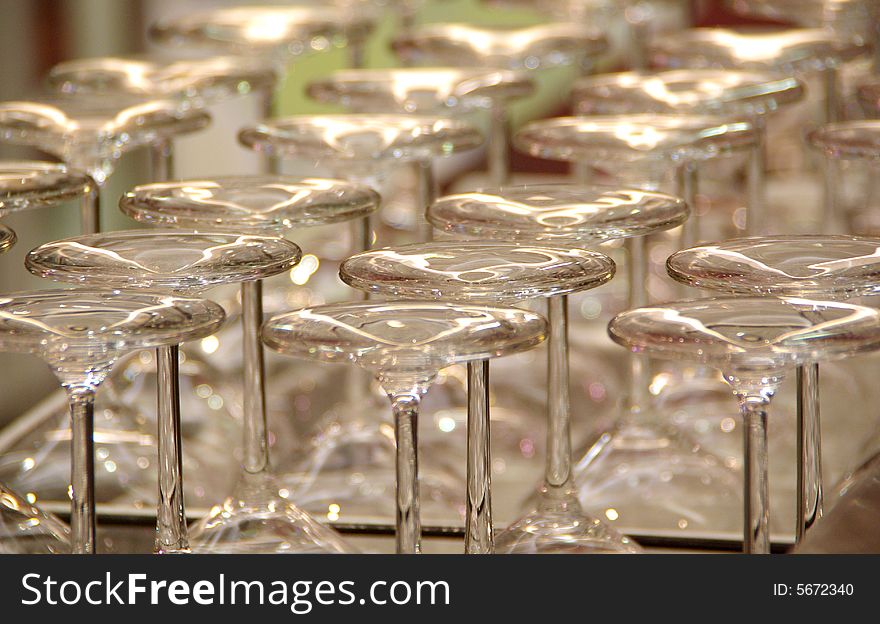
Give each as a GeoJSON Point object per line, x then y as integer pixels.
{"type": "Point", "coordinates": [472, 272]}
{"type": "Point", "coordinates": [571, 215]}
{"type": "Point", "coordinates": [256, 516]}
{"type": "Point", "coordinates": [404, 345]}
{"type": "Point", "coordinates": [184, 263]}
{"type": "Point", "coordinates": [80, 334]}
{"type": "Point", "coordinates": [26, 184]}
{"type": "Point", "coordinates": [754, 341]}
{"type": "Point", "coordinates": [827, 266]}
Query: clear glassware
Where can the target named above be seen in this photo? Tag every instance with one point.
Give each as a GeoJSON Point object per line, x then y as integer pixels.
{"type": "Point", "coordinates": [404, 345]}
{"type": "Point", "coordinates": [80, 334]}
{"type": "Point", "coordinates": [24, 528]}
{"type": "Point", "coordinates": [476, 272]}
{"type": "Point", "coordinates": [789, 52]}
{"type": "Point", "coordinates": [519, 49]}
{"type": "Point", "coordinates": [730, 93]}
{"type": "Point", "coordinates": [433, 91]}
{"type": "Point", "coordinates": [572, 215]}
{"type": "Point", "coordinates": [256, 516]}
{"type": "Point", "coordinates": [813, 266]}
{"type": "Point", "coordinates": [194, 83]}
{"type": "Point", "coordinates": [278, 33]}
{"type": "Point", "coordinates": [26, 184]}
{"type": "Point", "coordinates": [91, 132]}
{"type": "Point", "coordinates": [846, 17]}
{"type": "Point", "coordinates": [754, 341]}
{"type": "Point", "coordinates": [694, 489]}
{"type": "Point", "coordinates": [184, 263]}
{"type": "Point", "coordinates": [364, 147]}
{"type": "Point", "coordinates": [843, 141]}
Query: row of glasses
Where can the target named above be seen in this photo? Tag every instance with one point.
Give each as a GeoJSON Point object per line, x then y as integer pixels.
{"type": "Point", "coordinates": [754, 341]}
{"type": "Point", "coordinates": [619, 467]}
{"type": "Point", "coordinates": [829, 267]}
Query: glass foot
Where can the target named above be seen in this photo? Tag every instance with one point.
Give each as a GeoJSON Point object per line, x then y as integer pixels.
{"type": "Point", "coordinates": [256, 519]}
{"type": "Point", "coordinates": [27, 530]}
{"type": "Point", "coordinates": [558, 525]}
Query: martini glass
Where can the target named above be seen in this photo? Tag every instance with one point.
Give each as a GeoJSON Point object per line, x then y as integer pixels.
{"type": "Point", "coordinates": [838, 142]}
{"type": "Point", "coordinates": [404, 345]}
{"type": "Point", "coordinates": [363, 147]}
{"type": "Point", "coordinates": [523, 50]}
{"type": "Point", "coordinates": [580, 216]}
{"type": "Point", "coordinates": [754, 341]}
{"type": "Point", "coordinates": [812, 266]}
{"type": "Point", "coordinates": [433, 91]}
{"type": "Point", "coordinates": [35, 184]}
{"type": "Point", "coordinates": [193, 83]}
{"type": "Point", "coordinates": [171, 261]}
{"type": "Point", "coordinates": [471, 272]}
{"type": "Point", "coordinates": [729, 93]}
{"type": "Point", "coordinates": [80, 334]}
{"type": "Point", "coordinates": [255, 516]}
{"type": "Point", "coordinates": [92, 132]}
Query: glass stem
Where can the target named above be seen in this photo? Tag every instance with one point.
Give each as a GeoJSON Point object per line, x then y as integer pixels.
{"type": "Point", "coordinates": [832, 217]}
{"type": "Point", "coordinates": [809, 463]}
{"type": "Point", "coordinates": [162, 161]}
{"type": "Point", "coordinates": [82, 469]}
{"type": "Point", "coordinates": [405, 408]}
{"type": "Point", "coordinates": [686, 189]}
{"type": "Point", "coordinates": [272, 163]}
{"type": "Point", "coordinates": [756, 516]}
{"type": "Point", "coordinates": [427, 194]}
{"type": "Point", "coordinates": [637, 274]}
{"type": "Point", "coordinates": [831, 84]}
{"type": "Point", "coordinates": [171, 534]}
{"type": "Point", "coordinates": [499, 150]}
{"type": "Point", "coordinates": [357, 54]}
{"type": "Point", "coordinates": [558, 469]}
{"type": "Point", "coordinates": [478, 536]}
{"type": "Point", "coordinates": [756, 186]}
{"type": "Point", "coordinates": [90, 211]}
{"type": "Point", "coordinates": [256, 434]}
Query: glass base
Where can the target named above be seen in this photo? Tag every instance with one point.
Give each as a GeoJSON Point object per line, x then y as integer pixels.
{"type": "Point", "coordinates": [559, 526]}
{"type": "Point", "coordinates": [256, 519]}
{"type": "Point", "coordinates": [26, 530]}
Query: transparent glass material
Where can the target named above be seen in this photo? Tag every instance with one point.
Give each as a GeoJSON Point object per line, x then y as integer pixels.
{"type": "Point", "coordinates": [281, 32]}
{"type": "Point", "coordinates": [700, 91]}
{"type": "Point", "coordinates": [92, 131]}
{"type": "Point", "coordinates": [361, 137]}
{"type": "Point", "coordinates": [858, 139]}
{"type": "Point", "coordinates": [7, 238]}
{"type": "Point", "coordinates": [80, 334]}
{"type": "Point", "coordinates": [556, 212]}
{"type": "Point", "coordinates": [531, 47]}
{"type": "Point", "coordinates": [27, 530]}
{"type": "Point", "coordinates": [33, 184]}
{"type": "Point", "coordinates": [786, 51]}
{"type": "Point", "coordinates": [257, 517]}
{"type": "Point", "coordinates": [475, 271]}
{"type": "Point", "coordinates": [427, 90]}
{"type": "Point", "coordinates": [404, 345]}
{"type": "Point", "coordinates": [815, 266]}
{"type": "Point", "coordinates": [252, 204]}
{"type": "Point", "coordinates": [165, 260]}
{"type": "Point", "coordinates": [753, 341]}
{"type": "Point", "coordinates": [844, 16]}
{"type": "Point", "coordinates": [603, 140]}
{"type": "Point", "coordinates": [196, 81]}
